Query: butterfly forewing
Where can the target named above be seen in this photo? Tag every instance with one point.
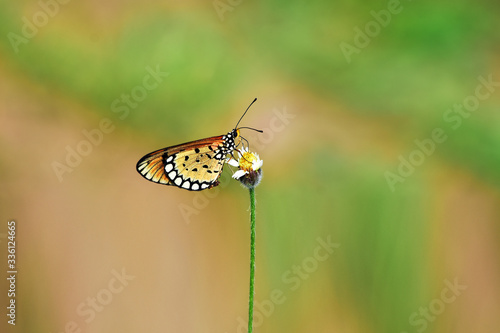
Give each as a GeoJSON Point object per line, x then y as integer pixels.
{"type": "Point", "coordinates": [193, 165]}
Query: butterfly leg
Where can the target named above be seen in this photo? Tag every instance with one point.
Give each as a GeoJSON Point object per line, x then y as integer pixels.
{"type": "Point", "coordinates": [248, 144]}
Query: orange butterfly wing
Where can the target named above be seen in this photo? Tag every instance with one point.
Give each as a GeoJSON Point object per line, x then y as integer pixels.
{"type": "Point", "coordinates": [194, 165]}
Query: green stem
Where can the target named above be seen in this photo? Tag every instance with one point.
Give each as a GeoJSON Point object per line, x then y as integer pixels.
{"type": "Point", "coordinates": [252, 259]}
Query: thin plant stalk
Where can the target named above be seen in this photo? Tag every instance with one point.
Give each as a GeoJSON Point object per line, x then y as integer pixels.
{"type": "Point", "coordinates": [252, 259]}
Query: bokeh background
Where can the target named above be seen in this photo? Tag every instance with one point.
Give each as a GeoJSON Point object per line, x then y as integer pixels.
{"type": "Point", "coordinates": [420, 255]}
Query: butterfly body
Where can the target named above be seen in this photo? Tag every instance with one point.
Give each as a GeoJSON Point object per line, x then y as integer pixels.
{"type": "Point", "coordinates": [194, 166]}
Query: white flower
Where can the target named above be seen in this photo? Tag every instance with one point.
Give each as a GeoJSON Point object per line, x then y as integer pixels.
{"type": "Point", "coordinates": [249, 164]}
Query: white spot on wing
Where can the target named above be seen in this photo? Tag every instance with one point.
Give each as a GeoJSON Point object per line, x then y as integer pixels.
{"type": "Point", "coordinates": [186, 184]}
{"type": "Point", "coordinates": [195, 187]}
{"type": "Point", "coordinates": [172, 174]}
{"type": "Point", "coordinates": [204, 186]}
{"type": "Point", "coordinates": [169, 167]}
{"type": "Point", "coordinates": [178, 181]}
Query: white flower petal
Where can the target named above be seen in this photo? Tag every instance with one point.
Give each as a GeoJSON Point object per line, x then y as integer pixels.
{"type": "Point", "coordinates": [238, 174]}
{"type": "Point", "coordinates": [256, 165]}
{"type": "Point", "coordinates": [232, 162]}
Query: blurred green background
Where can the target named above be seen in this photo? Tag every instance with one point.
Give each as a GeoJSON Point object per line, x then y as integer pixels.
{"type": "Point", "coordinates": [349, 156]}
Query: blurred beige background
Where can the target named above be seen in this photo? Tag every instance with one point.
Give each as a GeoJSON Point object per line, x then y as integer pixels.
{"type": "Point", "coordinates": [379, 207]}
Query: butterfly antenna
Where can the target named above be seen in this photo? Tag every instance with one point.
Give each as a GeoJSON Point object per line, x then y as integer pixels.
{"type": "Point", "coordinates": [245, 112]}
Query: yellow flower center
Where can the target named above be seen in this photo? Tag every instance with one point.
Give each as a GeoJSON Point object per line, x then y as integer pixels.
{"type": "Point", "coordinates": [246, 161]}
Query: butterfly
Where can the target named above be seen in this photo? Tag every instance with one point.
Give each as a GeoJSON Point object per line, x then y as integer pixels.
{"type": "Point", "coordinates": [195, 165]}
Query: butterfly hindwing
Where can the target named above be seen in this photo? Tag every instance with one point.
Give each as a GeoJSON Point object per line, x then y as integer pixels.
{"type": "Point", "coordinates": [196, 171]}
{"type": "Point", "coordinates": [192, 166]}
